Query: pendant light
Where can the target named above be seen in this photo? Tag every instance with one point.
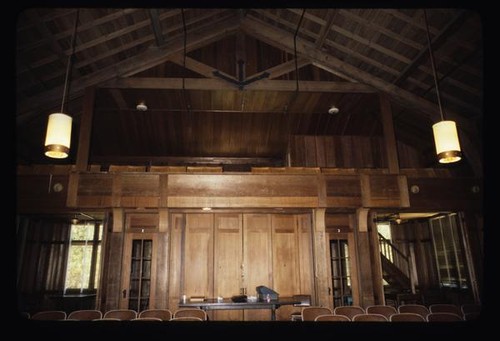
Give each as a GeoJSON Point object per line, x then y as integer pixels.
{"type": "Point", "coordinates": [58, 135]}
{"type": "Point", "coordinates": [445, 131]}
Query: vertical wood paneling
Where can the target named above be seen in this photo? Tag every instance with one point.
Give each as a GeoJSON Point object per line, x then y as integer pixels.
{"type": "Point", "coordinates": [257, 258]}
{"type": "Point", "coordinates": [321, 261]}
{"type": "Point", "coordinates": [228, 261]}
{"type": "Point", "coordinates": [285, 262]}
{"type": "Point", "coordinates": [177, 222]}
{"type": "Point", "coordinates": [198, 256]}
{"type": "Point", "coordinates": [161, 296]}
{"type": "Point", "coordinates": [305, 254]}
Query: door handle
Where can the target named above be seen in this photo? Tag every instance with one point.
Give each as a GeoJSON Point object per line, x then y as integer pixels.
{"type": "Point", "coordinates": [124, 293]}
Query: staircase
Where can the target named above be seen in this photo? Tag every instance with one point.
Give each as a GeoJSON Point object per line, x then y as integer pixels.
{"type": "Point", "coordinates": [395, 267]}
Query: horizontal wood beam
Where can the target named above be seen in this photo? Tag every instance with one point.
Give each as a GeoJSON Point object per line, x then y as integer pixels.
{"type": "Point", "coordinates": [199, 37]}
{"type": "Point", "coordinates": [284, 40]}
{"type": "Point", "coordinates": [217, 84]}
{"type": "Point", "coordinates": [180, 160]}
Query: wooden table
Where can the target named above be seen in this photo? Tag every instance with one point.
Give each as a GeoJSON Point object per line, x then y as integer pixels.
{"type": "Point", "coordinates": [228, 304]}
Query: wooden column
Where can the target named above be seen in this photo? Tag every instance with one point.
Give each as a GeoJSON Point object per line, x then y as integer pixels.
{"type": "Point", "coordinates": [391, 147]}
{"type": "Point", "coordinates": [113, 261]}
{"type": "Point", "coordinates": [82, 156]}
{"type": "Point", "coordinates": [163, 240]}
{"type": "Point", "coordinates": [321, 260]}
{"type": "Point", "coordinates": [364, 256]}
{"type": "Point", "coordinates": [376, 263]}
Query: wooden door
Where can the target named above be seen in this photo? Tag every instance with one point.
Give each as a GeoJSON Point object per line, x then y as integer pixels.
{"type": "Point", "coordinates": [257, 259]}
{"type": "Point", "coordinates": [139, 271]}
{"type": "Point", "coordinates": [228, 261]}
{"type": "Point", "coordinates": [197, 256]}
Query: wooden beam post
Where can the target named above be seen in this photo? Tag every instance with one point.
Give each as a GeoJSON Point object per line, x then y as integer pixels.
{"type": "Point", "coordinates": [364, 264]}
{"type": "Point", "coordinates": [82, 156]}
{"type": "Point", "coordinates": [391, 147]}
{"type": "Point", "coordinates": [321, 260]}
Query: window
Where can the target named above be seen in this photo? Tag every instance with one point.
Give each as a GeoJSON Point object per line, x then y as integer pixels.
{"type": "Point", "coordinates": [82, 271]}
{"type": "Point", "coordinates": [341, 275]}
{"type": "Point", "coordinates": [449, 251]}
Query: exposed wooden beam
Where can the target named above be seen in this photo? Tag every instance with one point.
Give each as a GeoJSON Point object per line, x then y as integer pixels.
{"type": "Point", "coordinates": [82, 157]}
{"type": "Point", "coordinates": [285, 68]}
{"type": "Point", "coordinates": [181, 160]}
{"type": "Point", "coordinates": [156, 26]}
{"type": "Point", "coordinates": [391, 148]}
{"type": "Point", "coordinates": [438, 40]}
{"type": "Point", "coordinates": [217, 84]}
{"type": "Point", "coordinates": [202, 36]}
{"type": "Point", "coordinates": [325, 29]}
{"type": "Point", "coordinates": [284, 40]}
{"type": "Point", "coordinates": [196, 66]}
{"type": "Point", "coordinates": [119, 99]}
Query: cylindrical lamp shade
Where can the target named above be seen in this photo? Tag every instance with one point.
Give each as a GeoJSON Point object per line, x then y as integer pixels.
{"type": "Point", "coordinates": [58, 138]}
{"type": "Point", "coordinates": [446, 140]}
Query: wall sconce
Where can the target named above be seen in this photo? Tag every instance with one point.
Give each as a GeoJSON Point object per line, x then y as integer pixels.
{"type": "Point", "coordinates": [58, 135]}
{"type": "Point", "coordinates": [445, 132]}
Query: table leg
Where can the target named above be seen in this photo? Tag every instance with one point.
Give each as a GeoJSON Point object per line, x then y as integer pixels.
{"type": "Point", "coordinates": [273, 313]}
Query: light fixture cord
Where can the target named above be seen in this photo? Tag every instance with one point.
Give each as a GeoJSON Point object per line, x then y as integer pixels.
{"type": "Point", "coordinates": [295, 50]}
{"type": "Point", "coordinates": [436, 83]}
{"type": "Point", "coordinates": [70, 61]}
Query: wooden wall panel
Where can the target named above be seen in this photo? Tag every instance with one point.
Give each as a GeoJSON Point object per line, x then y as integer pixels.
{"type": "Point", "coordinates": [35, 193]}
{"type": "Point", "coordinates": [113, 266]}
{"type": "Point", "coordinates": [177, 224]}
{"type": "Point", "coordinates": [141, 190]}
{"type": "Point", "coordinates": [306, 273]}
{"type": "Point", "coordinates": [343, 191]}
{"type": "Point", "coordinates": [94, 190]}
{"type": "Point", "coordinates": [142, 221]}
{"type": "Point", "coordinates": [249, 190]}
{"type": "Point", "coordinates": [384, 191]}
{"type": "Point", "coordinates": [228, 261]}
{"type": "Point", "coordinates": [257, 259]}
{"type": "Point", "coordinates": [446, 193]}
{"type": "Point", "coordinates": [198, 256]}
{"type": "Point", "coordinates": [285, 259]}
{"type": "Point", "coordinates": [162, 260]}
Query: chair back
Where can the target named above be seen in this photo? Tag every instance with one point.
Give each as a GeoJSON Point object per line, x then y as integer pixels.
{"type": "Point", "coordinates": [349, 310]}
{"type": "Point", "coordinates": [186, 318]}
{"type": "Point", "coordinates": [414, 308]}
{"type": "Point", "coordinates": [443, 317]}
{"type": "Point", "coordinates": [49, 315]}
{"type": "Point", "coordinates": [191, 312]}
{"type": "Point", "coordinates": [147, 319]}
{"type": "Point", "coordinates": [85, 315]}
{"type": "Point", "coordinates": [445, 308]}
{"type": "Point", "coordinates": [406, 317]}
{"type": "Point", "coordinates": [332, 318]}
{"type": "Point", "coordinates": [369, 318]}
{"type": "Point", "coordinates": [385, 310]}
{"type": "Point", "coordinates": [310, 313]}
{"type": "Point", "coordinates": [162, 314]}
{"type": "Point", "coordinates": [121, 314]}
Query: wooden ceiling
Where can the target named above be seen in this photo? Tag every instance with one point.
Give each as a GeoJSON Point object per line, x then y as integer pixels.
{"type": "Point", "coordinates": [221, 84]}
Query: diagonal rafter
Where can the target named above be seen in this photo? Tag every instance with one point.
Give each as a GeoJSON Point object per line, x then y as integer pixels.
{"type": "Point", "coordinates": [156, 26]}
{"type": "Point", "coordinates": [199, 37]}
{"type": "Point", "coordinates": [284, 40]}
{"type": "Point", "coordinates": [438, 40]}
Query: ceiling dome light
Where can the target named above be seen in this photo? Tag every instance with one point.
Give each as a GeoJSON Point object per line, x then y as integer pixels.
{"type": "Point", "coordinates": [142, 106]}
{"type": "Point", "coordinates": [333, 110]}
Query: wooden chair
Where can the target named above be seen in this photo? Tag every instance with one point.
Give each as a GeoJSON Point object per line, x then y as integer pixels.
{"type": "Point", "coordinates": [85, 315]}
{"type": "Point", "coordinates": [162, 314]}
{"type": "Point", "coordinates": [49, 315]}
{"type": "Point", "coordinates": [369, 318]}
{"type": "Point", "coordinates": [153, 319]}
{"type": "Point", "coordinates": [422, 310]}
{"type": "Point", "coordinates": [406, 317]}
{"type": "Point", "coordinates": [349, 310]}
{"type": "Point", "coordinates": [472, 308]}
{"type": "Point", "coordinates": [106, 319]}
{"type": "Point", "coordinates": [385, 310]}
{"type": "Point", "coordinates": [445, 308]}
{"type": "Point", "coordinates": [186, 318]}
{"type": "Point", "coordinates": [191, 312]}
{"type": "Point", "coordinates": [332, 318]}
{"type": "Point", "coordinates": [121, 314]}
{"type": "Point", "coordinates": [310, 313]}
{"type": "Point", "coordinates": [444, 317]}
{"type": "Point", "coordinates": [305, 301]}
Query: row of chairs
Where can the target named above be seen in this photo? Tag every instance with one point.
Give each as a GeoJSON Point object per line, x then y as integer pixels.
{"type": "Point", "coordinates": [186, 314]}
{"type": "Point", "coordinates": [410, 312]}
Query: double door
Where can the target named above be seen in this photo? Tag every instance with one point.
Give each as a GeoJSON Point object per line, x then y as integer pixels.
{"type": "Point", "coordinates": [226, 254]}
